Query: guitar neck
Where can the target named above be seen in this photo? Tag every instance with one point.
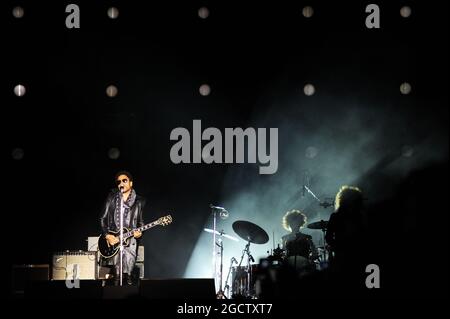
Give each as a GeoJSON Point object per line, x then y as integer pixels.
{"type": "Point", "coordinates": [141, 229]}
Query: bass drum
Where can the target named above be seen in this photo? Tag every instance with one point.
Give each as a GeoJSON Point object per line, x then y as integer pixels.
{"type": "Point", "coordinates": [301, 264]}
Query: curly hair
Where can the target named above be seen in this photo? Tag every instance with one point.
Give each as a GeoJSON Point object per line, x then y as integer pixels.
{"type": "Point", "coordinates": [126, 173]}
{"type": "Point", "coordinates": [348, 198]}
{"type": "Point", "coordinates": [293, 216]}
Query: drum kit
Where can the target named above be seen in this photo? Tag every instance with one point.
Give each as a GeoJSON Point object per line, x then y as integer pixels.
{"type": "Point", "coordinates": [243, 273]}
{"type": "Point", "coordinates": [243, 276]}
{"type": "Point", "coordinates": [322, 261]}
{"type": "Point", "coordinates": [303, 261]}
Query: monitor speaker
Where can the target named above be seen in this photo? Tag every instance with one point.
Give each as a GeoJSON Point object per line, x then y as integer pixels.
{"type": "Point", "coordinates": [189, 288]}
{"type": "Point", "coordinates": [58, 289]}
{"type": "Point", "coordinates": [23, 274]}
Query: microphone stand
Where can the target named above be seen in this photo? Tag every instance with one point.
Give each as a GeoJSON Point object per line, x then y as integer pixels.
{"type": "Point", "coordinates": [220, 293]}
{"type": "Point", "coordinates": [223, 215]}
{"type": "Point", "coordinates": [214, 261]}
{"type": "Point", "coordinates": [121, 242]}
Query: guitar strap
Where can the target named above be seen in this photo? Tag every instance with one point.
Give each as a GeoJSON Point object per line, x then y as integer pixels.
{"type": "Point", "coordinates": [133, 213]}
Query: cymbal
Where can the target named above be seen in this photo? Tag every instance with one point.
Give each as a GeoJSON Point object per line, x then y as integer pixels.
{"type": "Point", "coordinates": [318, 225]}
{"type": "Point", "coordinates": [250, 232]}
{"type": "Point", "coordinates": [221, 233]}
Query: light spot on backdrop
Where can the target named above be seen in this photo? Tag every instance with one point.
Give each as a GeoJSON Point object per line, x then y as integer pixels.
{"type": "Point", "coordinates": [203, 12]}
{"type": "Point", "coordinates": [17, 154]}
{"type": "Point", "coordinates": [113, 13]}
{"type": "Point", "coordinates": [405, 88]}
{"type": "Point", "coordinates": [18, 12]}
{"type": "Point", "coordinates": [111, 91]}
{"type": "Point", "coordinates": [113, 153]}
{"type": "Point", "coordinates": [407, 151]}
{"type": "Point", "coordinates": [19, 90]}
{"type": "Point", "coordinates": [311, 152]}
{"type": "Point", "coordinates": [307, 12]}
{"type": "Point", "coordinates": [309, 89]}
{"type": "Point", "coordinates": [204, 90]}
{"type": "Point", "coordinates": [405, 11]}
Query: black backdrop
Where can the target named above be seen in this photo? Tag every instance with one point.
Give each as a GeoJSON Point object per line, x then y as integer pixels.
{"type": "Point", "coordinates": [255, 56]}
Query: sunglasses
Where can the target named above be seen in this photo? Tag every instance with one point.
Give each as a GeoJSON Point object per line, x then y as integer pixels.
{"type": "Point", "coordinates": [120, 181]}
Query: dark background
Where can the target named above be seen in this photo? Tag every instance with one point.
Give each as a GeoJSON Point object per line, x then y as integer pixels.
{"type": "Point", "coordinates": [256, 57]}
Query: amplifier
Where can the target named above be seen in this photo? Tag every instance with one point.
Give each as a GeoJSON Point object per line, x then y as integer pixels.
{"type": "Point", "coordinates": [74, 265]}
{"type": "Point", "coordinates": [92, 243]}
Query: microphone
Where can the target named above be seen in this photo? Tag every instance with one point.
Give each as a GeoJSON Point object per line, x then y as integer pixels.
{"type": "Point", "coordinates": [222, 211]}
{"type": "Point", "coordinates": [217, 207]}
{"type": "Point", "coordinates": [233, 260]}
{"type": "Point", "coordinates": [251, 258]}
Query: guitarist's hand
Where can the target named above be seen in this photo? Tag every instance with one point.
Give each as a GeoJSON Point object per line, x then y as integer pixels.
{"type": "Point", "coordinates": [112, 240]}
{"type": "Point", "coordinates": [137, 234]}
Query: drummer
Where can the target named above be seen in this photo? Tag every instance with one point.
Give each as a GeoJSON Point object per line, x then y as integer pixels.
{"type": "Point", "coordinates": [300, 249]}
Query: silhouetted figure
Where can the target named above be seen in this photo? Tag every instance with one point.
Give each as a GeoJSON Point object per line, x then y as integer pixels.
{"type": "Point", "coordinates": [345, 230]}
{"type": "Point", "coordinates": [299, 248]}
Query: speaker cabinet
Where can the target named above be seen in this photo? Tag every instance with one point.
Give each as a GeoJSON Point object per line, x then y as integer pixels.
{"type": "Point", "coordinates": [139, 270]}
{"type": "Point", "coordinates": [58, 289]}
{"type": "Point", "coordinates": [23, 274]}
{"type": "Point", "coordinates": [74, 265]}
{"type": "Point", "coordinates": [140, 254]}
{"type": "Point", "coordinates": [178, 288]}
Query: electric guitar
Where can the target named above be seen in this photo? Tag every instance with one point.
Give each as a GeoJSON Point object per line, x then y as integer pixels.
{"type": "Point", "coordinates": [108, 251]}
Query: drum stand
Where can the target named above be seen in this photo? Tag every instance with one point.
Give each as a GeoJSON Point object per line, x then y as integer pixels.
{"type": "Point", "coordinates": [249, 268]}
{"type": "Point", "coordinates": [227, 287]}
{"type": "Point", "coordinates": [324, 250]}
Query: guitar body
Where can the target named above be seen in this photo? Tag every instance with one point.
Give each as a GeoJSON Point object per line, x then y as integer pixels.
{"type": "Point", "coordinates": [107, 250]}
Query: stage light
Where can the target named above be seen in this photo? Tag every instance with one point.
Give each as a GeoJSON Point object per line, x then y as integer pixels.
{"type": "Point", "coordinates": [311, 152]}
{"type": "Point", "coordinates": [405, 11]}
{"type": "Point", "coordinates": [18, 12]}
{"type": "Point", "coordinates": [113, 153]}
{"type": "Point", "coordinates": [307, 12]}
{"type": "Point", "coordinates": [17, 154]}
{"type": "Point", "coordinates": [19, 90]}
{"type": "Point", "coordinates": [113, 13]}
{"type": "Point", "coordinates": [204, 89]}
{"type": "Point", "coordinates": [405, 88]}
{"type": "Point", "coordinates": [309, 89]}
{"type": "Point", "coordinates": [111, 91]}
{"type": "Point", "coordinates": [407, 151]}
{"type": "Point", "coordinates": [203, 12]}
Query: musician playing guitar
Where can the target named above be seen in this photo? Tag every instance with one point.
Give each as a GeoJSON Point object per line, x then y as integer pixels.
{"type": "Point", "coordinates": [124, 199]}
